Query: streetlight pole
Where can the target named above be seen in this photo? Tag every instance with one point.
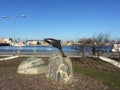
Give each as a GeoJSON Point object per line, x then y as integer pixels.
{"type": "Point", "coordinates": [3, 17]}
{"type": "Point", "coordinates": [15, 19]}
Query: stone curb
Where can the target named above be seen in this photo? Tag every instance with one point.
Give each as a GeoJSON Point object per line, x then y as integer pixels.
{"type": "Point", "coordinates": [110, 61]}
{"type": "Point", "coordinates": [8, 58]}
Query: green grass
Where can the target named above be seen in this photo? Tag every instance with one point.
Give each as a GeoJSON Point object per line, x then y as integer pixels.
{"type": "Point", "coordinates": [111, 79]}
{"type": "Point", "coordinates": [3, 57]}
{"type": "Point", "coordinates": [8, 65]}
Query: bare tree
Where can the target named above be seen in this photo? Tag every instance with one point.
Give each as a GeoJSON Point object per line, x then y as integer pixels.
{"type": "Point", "coordinates": [80, 44]}
{"type": "Point", "coordinates": [100, 40]}
{"type": "Point", "coordinates": [76, 46]}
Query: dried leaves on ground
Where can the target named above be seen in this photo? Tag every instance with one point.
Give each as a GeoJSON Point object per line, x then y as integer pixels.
{"type": "Point", "coordinates": [11, 80]}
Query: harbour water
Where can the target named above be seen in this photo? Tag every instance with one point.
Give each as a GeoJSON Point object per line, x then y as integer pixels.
{"type": "Point", "coordinates": [48, 49]}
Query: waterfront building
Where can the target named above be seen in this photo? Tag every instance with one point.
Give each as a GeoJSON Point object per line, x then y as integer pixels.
{"type": "Point", "coordinates": [33, 42]}
{"type": "Point", "coordinates": [5, 41]}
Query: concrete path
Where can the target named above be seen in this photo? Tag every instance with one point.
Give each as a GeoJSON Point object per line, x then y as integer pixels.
{"type": "Point", "coordinates": [8, 58]}
{"type": "Point", "coordinates": [110, 61]}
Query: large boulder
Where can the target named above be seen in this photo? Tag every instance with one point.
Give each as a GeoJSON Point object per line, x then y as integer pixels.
{"type": "Point", "coordinates": [32, 66]}
{"type": "Point", "coordinates": [60, 69]}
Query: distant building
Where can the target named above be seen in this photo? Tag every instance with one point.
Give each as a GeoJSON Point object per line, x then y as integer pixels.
{"type": "Point", "coordinates": [66, 43]}
{"type": "Point", "coordinates": [5, 41]}
{"type": "Point", "coordinates": [33, 42]}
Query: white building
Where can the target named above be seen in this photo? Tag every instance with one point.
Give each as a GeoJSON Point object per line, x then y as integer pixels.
{"type": "Point", "coordinates": [32, 42]}
{"type": "Point", "coordinates": [5, 41]}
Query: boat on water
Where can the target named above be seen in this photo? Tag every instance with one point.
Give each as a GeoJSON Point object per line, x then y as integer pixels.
{"type": "Point", "coordinates": [116, 48]}
{"type": "Point", "coordinates": [5, 41]}
{"type": "Point", "coordinates": [18, 44]}
{"type": "Point", "coordinates": [4, 44]}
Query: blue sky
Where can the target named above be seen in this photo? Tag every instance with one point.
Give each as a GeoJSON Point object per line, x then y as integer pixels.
{"type": "Point", "coordinates": [60, 19]}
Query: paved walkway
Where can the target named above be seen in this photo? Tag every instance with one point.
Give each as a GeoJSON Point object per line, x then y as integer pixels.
{"type": "Point", "coordinates": [8, 58]}
{"type": "Point", "coordinates": [110, 61]}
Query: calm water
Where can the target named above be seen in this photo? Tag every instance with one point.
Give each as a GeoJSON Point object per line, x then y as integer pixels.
{"type": "Point", "coordinates": [46, 49]}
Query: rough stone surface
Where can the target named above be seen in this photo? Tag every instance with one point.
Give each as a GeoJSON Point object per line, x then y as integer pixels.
{"type": "Point", "coordinates": [60, 69]}
{"type": "Point", "coordinates": [32, 66]}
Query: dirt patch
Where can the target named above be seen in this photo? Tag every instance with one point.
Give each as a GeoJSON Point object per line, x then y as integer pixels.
{"type": "Point", "coordinates": [11, 80]}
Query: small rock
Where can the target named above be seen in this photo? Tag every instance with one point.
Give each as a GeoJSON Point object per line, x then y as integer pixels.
{"type": "Point", "coordinates": [76, 80]}
{"type": "Point", "coordinates": [72, 85]}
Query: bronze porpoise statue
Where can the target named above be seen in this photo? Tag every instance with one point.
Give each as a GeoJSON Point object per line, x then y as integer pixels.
{"type": "Point", "coordinates": [55, 43]}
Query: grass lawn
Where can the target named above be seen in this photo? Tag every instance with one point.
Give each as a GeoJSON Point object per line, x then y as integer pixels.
{"type": "Point", "coordinates": [111, 79]}
{"type": "Point", "coordinates": [3, 57]}
{"type": "Point", "coordinates": [97, 69]}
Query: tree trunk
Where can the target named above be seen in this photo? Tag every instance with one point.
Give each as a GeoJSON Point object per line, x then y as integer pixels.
{"type": "Point", "coordinates": [119, 58]}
